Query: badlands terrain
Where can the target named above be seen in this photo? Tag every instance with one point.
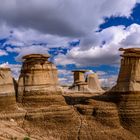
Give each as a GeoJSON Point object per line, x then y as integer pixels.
{"type": "Point", "coordinates": [36, 107]}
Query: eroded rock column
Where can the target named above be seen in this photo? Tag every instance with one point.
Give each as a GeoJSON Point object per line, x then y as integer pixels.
{"type": "Point", "coordinates": [38, 79]}
{"type": "Point", "coordinates": [126, 93]}
{"type": "Point", "coordinates": [7, 90]}
{"type": "Point", "coordinates": [79, 81]}
{"type": "Point", "coordinates": [129, 76]}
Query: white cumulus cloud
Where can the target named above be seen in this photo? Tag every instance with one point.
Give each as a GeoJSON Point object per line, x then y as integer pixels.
{"type": "Point", "coordinates": [105, 51]}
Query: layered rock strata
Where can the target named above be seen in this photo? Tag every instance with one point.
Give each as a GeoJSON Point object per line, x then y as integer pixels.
{"type": "Point", "coordinates": [7, 90]}
{"type": "Point", "coordinates": [47, 114]}
{"type": "Point", "coordinates": [38, 81]}
{"type": "Point", "coordinates": [85, 83]}
{"type": "Point", "coordinates": [126, 93]}
{"type": "Point", "coordinates": [79, 81]}
{"type": "Point", "coordinates": [129, 75]}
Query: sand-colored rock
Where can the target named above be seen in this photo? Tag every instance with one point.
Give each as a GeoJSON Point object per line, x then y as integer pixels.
{"type": "Point", "coordinates": [85, 83]}
{"type": "Point", "coordinates": [46, 113]}
{"type": "Point", "coordinates": [126, 93]}
{"type": "Point", "coordinates": [93, 82]}
{"type": "Point", "coordinates": [38, 79]}
{"type": "Point", "coordinates": [129, 75]}
{"type": "Point", "coordinates": [7, 90]}
{"type": "Point", "coordinates": [79, 81]}
{"type": "Point", "coordinates": [6, 82]}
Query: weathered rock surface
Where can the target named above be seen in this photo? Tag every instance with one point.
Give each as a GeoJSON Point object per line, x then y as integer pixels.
{"type": "Point", "coordinates": [129, 111]}
{"type": "Point", "coordinates": [95, 120]}
{"type": "Point", "coordinates": [44, 112]}
{"type": "Point", "coordinates": [93, 82]}
{"type": "Point", "coordinates": [7, 90]}
{"type": "Point", "coordinates": [129, 76]}
{"type": "Point", "coordinates": [126, 93]}
{"type": "Point", "coordinates": [38, 80]}
{"type": "Point", "coordinates": [89, 118]}
{"type": "Point", "coordinates": [79, 81]}
{"type": "Point", "coordinates": [85, 84]}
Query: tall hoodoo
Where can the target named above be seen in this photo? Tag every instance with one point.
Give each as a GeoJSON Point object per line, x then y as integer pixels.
{"type": "Point", "coordinates": [37, 74]}
{"type": "Point", "coordinates": [127, 90]}
{"type": "Point", "coordinates": [129, 76]}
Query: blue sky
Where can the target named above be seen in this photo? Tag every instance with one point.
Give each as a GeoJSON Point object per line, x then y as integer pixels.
{"type": "Point", "coordinates": [79, 38]}
{"type": "Point", "coordinates": [115, 21]}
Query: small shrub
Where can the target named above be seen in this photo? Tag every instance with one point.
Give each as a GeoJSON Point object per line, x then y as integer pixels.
{"type": "Point", "coordinates": [26, 138]}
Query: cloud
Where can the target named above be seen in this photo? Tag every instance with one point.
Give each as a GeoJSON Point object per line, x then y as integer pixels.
{"type": "Point", "coordinates": [20, 37]}
{"type": "Point", "coordinates": [65, 77]}
{"type": "Point", "coordinates": [132, 39]}
{"type": "Point", "coordinates": [3, 52]}
{"type": "Point", "coordinates": [108, 81]}
{"type": "Point", "coordinates": [62, 17]}
{"type": "Point", "coordinates": [31, 50]}
{"type": "Point", "coordinates": [4, 30]}
{"type": "Point", "coordinates": [105, 50]}
{"type": "Point", "coordinates": [55, 23]}
{"type": "Point", "coordinates": [25, 50]}
{"type": "Point", "coordinates": [23, 41]}
{"type": "Point", "coordinates": [15, 69]}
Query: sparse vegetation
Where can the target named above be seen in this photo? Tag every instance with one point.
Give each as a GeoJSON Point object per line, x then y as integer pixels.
{"type": "Point", "coordinates": [26, 138]}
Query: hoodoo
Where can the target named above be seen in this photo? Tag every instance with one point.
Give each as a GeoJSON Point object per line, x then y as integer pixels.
{"type": "Point", "coordinates": [79, 81]}
{"type": "Point", "coordinates": [127, 90]}
{"type": "Point", "coordinates": [7, 90]}
{"type": "Point", "coordinates": [38, 78]}
{"type": "Point", "coordinates": [85, 82]}
{"type": "Point", "coordinates": [129, 76]}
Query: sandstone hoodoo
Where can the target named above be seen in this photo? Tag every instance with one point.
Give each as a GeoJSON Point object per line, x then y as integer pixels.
{"type": "Point", "coordinates": [7, 90]}
{"type": "Point", "coordinates": [38, 77]}
{"type": "Point", "coordinates": [129, 76]}
{"type": "Point", "coordinates": [85, 81]}
{"type": "Point", "coordinates": [127, 90]}
{"type": "Point", "coordinates": [79, 81]}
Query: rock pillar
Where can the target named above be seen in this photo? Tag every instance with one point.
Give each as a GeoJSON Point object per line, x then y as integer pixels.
{"type": "Point", "coordinates": [79, 81]}
{"type": "Point", "coordinates": [38, 78]}
{"type": "Point", "coordinates": [126, 93]}
{"type": "Point", "coordinates": [129, 75]}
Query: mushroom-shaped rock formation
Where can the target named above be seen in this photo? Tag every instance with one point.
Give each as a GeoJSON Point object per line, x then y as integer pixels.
{"type": "Point", "coordinates": [79, 81]}
{"type": "Point", "coordinates": [38, 79]}
{"type": "Point", "coordinates": [85, 83]}
{"type": "Point", "coordinates": [7, 90]}
{"type": "Point", "coordinates": [126, 93]}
